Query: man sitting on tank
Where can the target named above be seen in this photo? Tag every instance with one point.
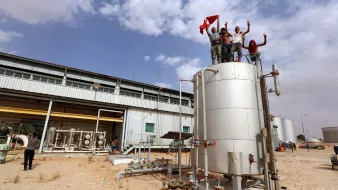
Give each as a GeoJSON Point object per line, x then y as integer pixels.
{"type": "Point", "coordinates": [216, 49]}
{"type": "Point", "coordinates": [254, 54]}
{"type": "Point", "coordinates": [237, 40]}
{"type": "Point", "coordinates": [226, 45]}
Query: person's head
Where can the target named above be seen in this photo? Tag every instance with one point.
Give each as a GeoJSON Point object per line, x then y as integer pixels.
{"type": "Point", "coordinates": [252, 44]}
{"type": "Point", "coordinates": [213, 30]}
{"type": "Point", "coordinates": [35, 134]}
{"type": "Point", "coordinates": [222, 30]}
{"type": "Point", "coordinates": [237, 29]}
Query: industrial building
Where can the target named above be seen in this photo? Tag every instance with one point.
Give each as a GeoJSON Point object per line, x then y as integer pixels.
{"type": "Point", "coordinates": [330, 134]}
{"type": "Point", "coordinates": [35, 95]}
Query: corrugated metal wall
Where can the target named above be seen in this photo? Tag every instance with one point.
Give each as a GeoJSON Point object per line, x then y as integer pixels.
{"type": "Point", "coordinates": [163, 122]}
{"type": "Point", "coordinates": [70, 92]}
{"type": "Point", "coordinates": [330, 134]}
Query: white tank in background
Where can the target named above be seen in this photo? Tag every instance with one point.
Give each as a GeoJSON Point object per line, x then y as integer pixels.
{"type": "Point", "coordinates": [289, 131]}
{"type": "Point", "coordinates": [277, 122]}
{"type": "Point", "coordinates": [234, 118]}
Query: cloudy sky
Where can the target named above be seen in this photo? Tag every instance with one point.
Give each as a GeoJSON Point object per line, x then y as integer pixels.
{"type": "Point", "coordinates": [158, 42]}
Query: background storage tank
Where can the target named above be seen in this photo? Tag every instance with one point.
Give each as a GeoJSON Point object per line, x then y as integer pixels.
{"type": "Point", "coordinates": [234, 117]}
{"type": "Point", "coordinates": [289, 131]}
{"type": "Point", "coordinates": [330, 134]}
{"type": "Point", "coordinates": [277, 122]}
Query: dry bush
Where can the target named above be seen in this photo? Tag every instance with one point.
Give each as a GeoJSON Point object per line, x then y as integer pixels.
{"type": "Point", "coordinates": [16, 179]}
{"type": "Point", "coordinates": [44, 158]}
{"type": "Point", "coordinates": [90, 158]}
{"type": "Point", "coordinates": [41, 177]}
{"type": "Point", "coordinates": [103, 166]}
{"type": "Point", "coordinates": [56, 176]}
{"type": "Point", "coordinates": [120, 185]}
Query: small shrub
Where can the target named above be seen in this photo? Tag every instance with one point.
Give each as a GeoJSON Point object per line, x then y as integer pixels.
{"type": "Point", "coordinates": [56, 176]}
{"type": "Point", "coordinates": [16, 179]}
{"type": "Point", "coordinates": [44, 158]}
{"type": "Point", "coordinates": [90, 158]}
{"type": "Point", "coordinates": [120, 185]}
{"type": "Point", "coordinates": [41, 177]}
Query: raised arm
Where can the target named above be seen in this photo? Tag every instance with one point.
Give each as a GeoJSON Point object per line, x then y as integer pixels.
{"type": "Point", "coordinates": [264, 43]}
{"type": "Point", "coordinates": [207, 30]}
{"type": "Point", "coordinates": [226, 28]}
{"type": "Point", "coordinates": [248, 30]}
{"type": "Point", "coordinates": [218, 24]}
{"type": "Point", "coordinates": [243, 46]}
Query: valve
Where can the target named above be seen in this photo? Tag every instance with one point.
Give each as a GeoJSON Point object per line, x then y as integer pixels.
{"type": "Point", "coordinates": [209, 143]}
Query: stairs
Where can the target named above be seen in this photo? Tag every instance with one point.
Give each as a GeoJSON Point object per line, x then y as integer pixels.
{"type": "Point", "coordinates": [127, 149]}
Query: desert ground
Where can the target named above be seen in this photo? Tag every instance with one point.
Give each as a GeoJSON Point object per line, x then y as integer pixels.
{"type": "Point", "coordinates": [298, 170]}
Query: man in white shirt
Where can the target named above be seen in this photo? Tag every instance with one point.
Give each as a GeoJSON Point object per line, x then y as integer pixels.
{"type": "Point", "coordinates": [237, 39]}
{"type": "Point", "coordinates": [216, 48]}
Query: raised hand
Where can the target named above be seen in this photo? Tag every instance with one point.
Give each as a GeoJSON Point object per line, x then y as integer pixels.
{"type": "Point", "coordinates": [264, 35]}
{"type": "Point", "coordinates": [226, 23]}
{"type": "Point", "coordinates": [248, 22]}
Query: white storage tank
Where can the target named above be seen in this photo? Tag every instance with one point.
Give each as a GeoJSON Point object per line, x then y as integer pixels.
{"type": "Point", "coordinates": [277, 123]}
{"type": "Point", "coordinates": [234, 117]}
{"type": "Point", "coordinates": [330, 134]}
{"type": "Point", "coordinates": [289, 131]}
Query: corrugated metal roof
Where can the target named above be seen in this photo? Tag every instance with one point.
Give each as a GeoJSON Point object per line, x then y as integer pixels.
{"type": "Point", "coordinates": [88, 72]}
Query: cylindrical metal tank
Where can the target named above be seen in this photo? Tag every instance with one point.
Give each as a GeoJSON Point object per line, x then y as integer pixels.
{"type": "Point", "coordinates": [51, 135]}
{"type": "Point", "coordinates": [234, 118]}
{"type": "Point", "coordinates": [289, 131]}
{"type": "Point", "coordinates": [71, 136]}
{"type": "Point", "coordinates": [330, 134]}
{"type": "Point", "coordinates": [277, 123]}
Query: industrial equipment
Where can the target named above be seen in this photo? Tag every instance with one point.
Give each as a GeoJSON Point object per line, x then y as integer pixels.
{"type": "Point", "coordinates": [233, 134]}
{"type": "Point", "coordinates": [73, 140]}
{"type": "Point", "coordinates": [334, 159]}
{"type": "Point", "coordinates": [289, 131]}
{"type": "Point", "coordinates": [5, 144]}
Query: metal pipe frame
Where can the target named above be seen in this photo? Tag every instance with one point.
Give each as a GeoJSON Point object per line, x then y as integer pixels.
{"type": "Point", "coordinates": [45, 126]}
{"type": "Point", "coordinates": [205, 126]}
{"type": "Point", "coordinates": [123, 129]}
{"type": "Point", "coordinates": [196, 133]}
{"type": "Point", "coordinates": [303, 126]}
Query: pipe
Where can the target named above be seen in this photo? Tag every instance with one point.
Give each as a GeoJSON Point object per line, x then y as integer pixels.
{"type": "Point", "coordinates": [267, 121]}
{"type": "Point", "coordinates": [98, 116]}
{"type": "Point", "coordinates": [123, 130]}
{"type": "Point", "coordinates": [147, 171]}
{"type": "Point", "coordinates": [45, 127]}
{"type": "Point", "coordinates": [180, 135]}
{"type": "Point", "coordinates": [205, 126]}
{"type": "Point", "coordinates": [196, 133]}
{"type": "Point", "coordinates": [266, 167]}
{"type": "Point", "coordinates": [24, 139]}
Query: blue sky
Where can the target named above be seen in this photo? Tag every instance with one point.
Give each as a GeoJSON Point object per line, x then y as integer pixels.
{"type": "Point", "coordinates": [113, 37]}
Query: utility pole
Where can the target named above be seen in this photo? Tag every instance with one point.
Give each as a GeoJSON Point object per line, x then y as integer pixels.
{"type": "Point", "coordinates": [303, 125]}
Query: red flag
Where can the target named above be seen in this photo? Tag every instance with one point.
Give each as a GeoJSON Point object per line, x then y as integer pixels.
{"type": "Point", "coordinates": [207, 22]}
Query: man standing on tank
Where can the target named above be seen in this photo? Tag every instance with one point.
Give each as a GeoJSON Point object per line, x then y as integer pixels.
{"type": "Point", "coordinates": [226, 44]}
{"type": "Point", "coordinates": [216, 49]}
{"type": "Point", "coordinates": [29, 152]}
{"type": "Point", "coordinates": [237, 39]}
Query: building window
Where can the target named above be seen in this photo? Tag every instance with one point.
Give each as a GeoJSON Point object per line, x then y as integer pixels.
{"type": "Point", "coordinates": [164, 99]}
{"type": "Point", "coordinates": [177, 101]}
{"type": "Point", "coordinates": [46, 79]}
{"type": "Point", "coordinates": [130, 93]}
{"type": "Point", "coordinates": [14, 74]}
{"type": "Point", "coordinates": [149, 128]}
{"type": "Point", "coordinates": [150, 97]}
{"type": "Point", "coordinates": [104, 89]}
{"type": "Point", "coordinates": [77, 85]}
{"type": "Point", "coordinates": [186, 129]}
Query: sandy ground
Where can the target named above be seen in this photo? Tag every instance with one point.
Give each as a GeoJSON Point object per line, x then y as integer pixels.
{"type": "Point", "coordinates": [298, 170]}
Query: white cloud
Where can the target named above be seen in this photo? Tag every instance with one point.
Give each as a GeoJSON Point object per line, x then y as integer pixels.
{"type": "Point", "coordinates": [146, 58]}
{"type": "Point", "coordinates": [43, 11]}
{"type": "Point", "coordinates": [163, 85]}
{"type": "Point", "coordinates": [185, 68]}
{"type": "Point", "coordinates": [4, 20]}
{"type": "Point", "coordinates": [9, 36]}
{"type": "Point", "coordinates": [302, 40]}
{"type": "Point", "coordinates": [160, 58]}
{"type": "Point", "coordinates": [110, 9]}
